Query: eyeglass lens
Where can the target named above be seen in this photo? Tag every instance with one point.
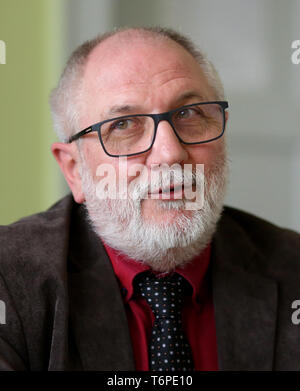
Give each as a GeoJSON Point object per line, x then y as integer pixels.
{"type": "Point", "coordinates": [134, 134]}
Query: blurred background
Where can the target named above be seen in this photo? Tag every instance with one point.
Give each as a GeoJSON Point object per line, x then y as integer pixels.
{"type": "Point", "coordinates": [250, 45]}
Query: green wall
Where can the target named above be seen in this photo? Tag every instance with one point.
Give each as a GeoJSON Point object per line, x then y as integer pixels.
{"type": "Point", "coordinates": [30, 179]}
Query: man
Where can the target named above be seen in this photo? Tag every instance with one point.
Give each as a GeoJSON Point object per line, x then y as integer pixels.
{"type": "Point", "coordinates": [135, 270]}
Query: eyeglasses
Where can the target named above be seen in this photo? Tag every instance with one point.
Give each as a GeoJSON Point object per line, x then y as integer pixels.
{"type": "Point", "coordinates": [131, 135]}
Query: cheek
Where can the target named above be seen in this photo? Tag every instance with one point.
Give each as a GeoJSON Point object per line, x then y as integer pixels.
{"type": "Point", "coordinates": [99, 164]}
{"type": "Point", "coordinates": [207, 153]}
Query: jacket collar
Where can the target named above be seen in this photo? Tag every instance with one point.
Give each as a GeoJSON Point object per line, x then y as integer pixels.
{"type": "Point", "coordinates": [245, 301]}
{"type": "Point", "coordinates": [97, 315]}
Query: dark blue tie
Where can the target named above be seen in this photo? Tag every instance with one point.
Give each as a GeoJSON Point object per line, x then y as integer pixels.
{"type": "Point", "coordinates": [169, 349]}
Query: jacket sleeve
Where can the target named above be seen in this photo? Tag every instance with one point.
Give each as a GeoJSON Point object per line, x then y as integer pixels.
{"type": "Point", "coordinates": [12, 340]}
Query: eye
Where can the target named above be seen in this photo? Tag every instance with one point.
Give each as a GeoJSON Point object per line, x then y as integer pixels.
{"type": "Point", "coordinates": [186, 113]}
{"type": "Point", "coordinates": [122, 124]}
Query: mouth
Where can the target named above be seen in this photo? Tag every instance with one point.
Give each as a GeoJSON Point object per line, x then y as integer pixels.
{"type": "Point", "coordinates": [173, 192]}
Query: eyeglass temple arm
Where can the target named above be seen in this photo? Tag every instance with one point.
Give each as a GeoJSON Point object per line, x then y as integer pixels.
{"type": "Point", "coordinates": [79, 134]}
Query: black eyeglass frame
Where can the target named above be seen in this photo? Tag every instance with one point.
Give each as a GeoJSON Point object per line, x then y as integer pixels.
{"type": "Point", "coordinates": [157, 118]}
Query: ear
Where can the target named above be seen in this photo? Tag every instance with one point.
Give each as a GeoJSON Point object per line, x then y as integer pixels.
{"type": "Point", "coordinates": [67, 156]}
{"type": "Point", "coordinates": [226, 117]}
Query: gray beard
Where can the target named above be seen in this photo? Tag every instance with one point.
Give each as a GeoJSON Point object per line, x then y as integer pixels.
{"type": "Point", "coordinates": [162, 246]}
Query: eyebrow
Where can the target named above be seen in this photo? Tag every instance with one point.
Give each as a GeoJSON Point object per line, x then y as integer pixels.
{"type": "Point", "coordinates": [134, 109]}
{"type": "Point", "coordinates": [191, 95]}
{"type": "Point", "coordinates": [122, 109]}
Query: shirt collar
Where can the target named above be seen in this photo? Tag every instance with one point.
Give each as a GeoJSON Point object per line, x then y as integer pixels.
{"type": "Point", "coordinates": [126, 269]}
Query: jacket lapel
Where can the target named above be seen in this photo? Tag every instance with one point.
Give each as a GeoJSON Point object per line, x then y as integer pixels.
{"type": "Point", "coordinates": [98, 322]}
{"type": "Point", "coordinates": [245, 302]}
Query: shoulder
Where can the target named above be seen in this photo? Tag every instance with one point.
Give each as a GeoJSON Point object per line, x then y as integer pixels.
{"type": "Point", "coordinates": [258, 229]}
{"type": "Point", "coordinates": [279, 247]}
{"type": "Point", "coordinates": [34, 239]}
{"type": "Point", "coordinates": [33, 263]}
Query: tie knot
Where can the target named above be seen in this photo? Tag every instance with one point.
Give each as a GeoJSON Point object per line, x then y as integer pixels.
{"type": "Point", "coordinates": [164, 295]}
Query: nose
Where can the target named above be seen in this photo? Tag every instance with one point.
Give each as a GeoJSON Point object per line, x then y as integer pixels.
{"type": "Point", "coordinates": [167, 148]}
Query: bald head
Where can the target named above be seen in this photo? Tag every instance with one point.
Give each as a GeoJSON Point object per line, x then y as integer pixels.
{"type": "Point", "coordinates": [139, 71]}
{"type": "Point", "coordinates": [68, 99]}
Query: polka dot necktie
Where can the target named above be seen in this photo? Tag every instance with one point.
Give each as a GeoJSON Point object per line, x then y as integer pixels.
{"type": "Point", "coordinates": [169, 349]}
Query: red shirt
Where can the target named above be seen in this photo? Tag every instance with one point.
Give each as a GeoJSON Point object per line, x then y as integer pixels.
{"type": "Point", "coordinates": [197, 312]}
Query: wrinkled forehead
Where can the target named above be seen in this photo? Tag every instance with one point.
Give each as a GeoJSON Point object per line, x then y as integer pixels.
{"type": "Point", "coordinates": [131, 60]}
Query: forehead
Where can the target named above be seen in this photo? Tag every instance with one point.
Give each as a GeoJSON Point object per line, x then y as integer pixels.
{"type": "Point", "coordinates": [147, 70]}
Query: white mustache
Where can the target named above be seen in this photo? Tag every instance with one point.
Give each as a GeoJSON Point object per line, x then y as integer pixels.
{"type": "Point", "coordinates": [162, 181]}
{"type": "Point", "coordinates": [148, 181]}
